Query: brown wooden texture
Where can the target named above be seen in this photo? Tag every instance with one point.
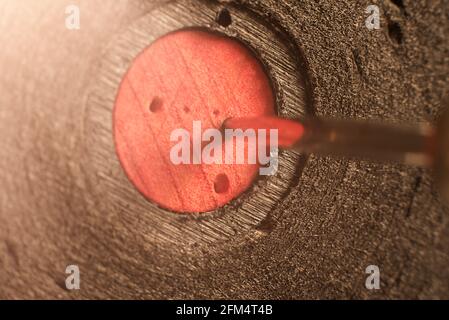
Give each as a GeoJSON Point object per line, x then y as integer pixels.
{"type": "Point", "coordinates": [328, 222]}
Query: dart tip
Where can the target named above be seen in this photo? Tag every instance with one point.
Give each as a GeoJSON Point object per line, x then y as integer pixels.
{"type": "Point", "coordinates": [289, 131]}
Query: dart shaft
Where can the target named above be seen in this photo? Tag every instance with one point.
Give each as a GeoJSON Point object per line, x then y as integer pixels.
{"type": "Point", "coordinates": [348, 138]}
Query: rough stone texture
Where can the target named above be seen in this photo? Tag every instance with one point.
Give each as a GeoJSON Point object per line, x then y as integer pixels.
{"type": "Point", "coordinates": [341, 216]}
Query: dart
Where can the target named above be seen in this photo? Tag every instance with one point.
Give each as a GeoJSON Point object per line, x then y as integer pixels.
{"type": "Point", "coordinates": [347, 138]}
{"type": "Point", "coordinates": [421, 145]}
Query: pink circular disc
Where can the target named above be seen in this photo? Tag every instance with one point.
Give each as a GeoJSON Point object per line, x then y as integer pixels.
{"type": "Point", "coordinates": [185, 76]}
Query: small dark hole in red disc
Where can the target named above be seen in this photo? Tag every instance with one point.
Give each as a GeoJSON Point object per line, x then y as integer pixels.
{"type": "Point", "coordinates": [156, 104]}
{"type": "Point", "coordinates": [221, 183]}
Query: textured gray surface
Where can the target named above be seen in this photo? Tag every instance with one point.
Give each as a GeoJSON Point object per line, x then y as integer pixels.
{"type": "Point", "coordinates": [340, 217]}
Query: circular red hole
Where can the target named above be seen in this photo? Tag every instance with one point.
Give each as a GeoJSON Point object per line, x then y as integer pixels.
{"type": "Point", "coordinates": [213, 77]}
{"type": "Point", "coordinates": [156, 104]}
{"type": "Point", "coordinates": [221, 183]}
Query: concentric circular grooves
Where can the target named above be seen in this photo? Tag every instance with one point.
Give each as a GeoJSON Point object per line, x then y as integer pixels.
{"type": "Point", "coordinates": [244, 213]}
